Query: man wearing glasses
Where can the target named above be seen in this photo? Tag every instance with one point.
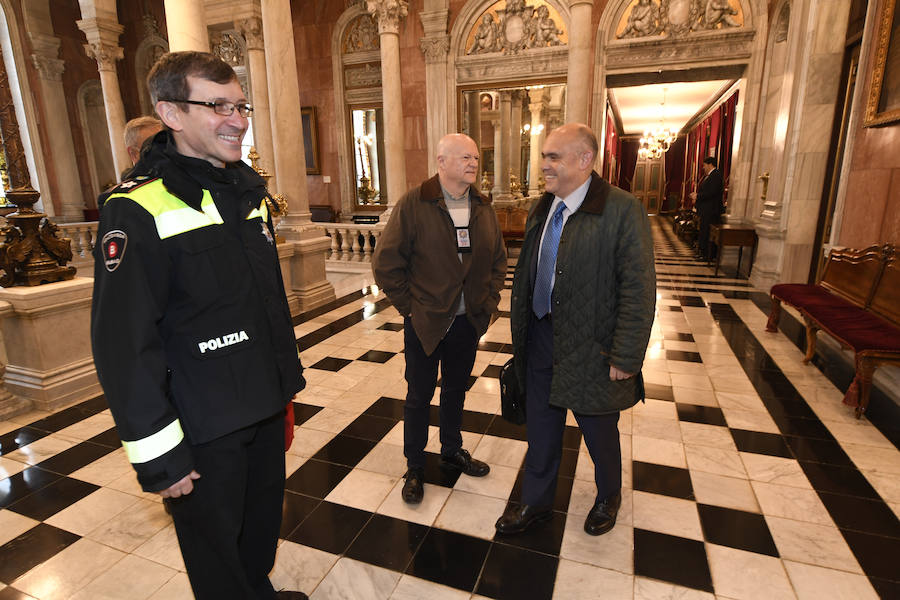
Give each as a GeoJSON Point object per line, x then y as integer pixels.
{"type": "Point", "coordinates": [192, 335]}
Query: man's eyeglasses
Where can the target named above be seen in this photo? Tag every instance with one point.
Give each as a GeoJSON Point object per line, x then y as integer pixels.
{"type": "Point", "coordinates": [221, 107]}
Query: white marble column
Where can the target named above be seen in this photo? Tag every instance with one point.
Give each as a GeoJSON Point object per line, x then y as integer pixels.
{"type": "Point", "coordinates": [389, 13]}
{"type": "Point", "coordinates": [103, 38]}
{"type": "Point", "coordinates": [473, 117]}
{"type": "Point", "coordinates": [306, 278]}
{"type": "Point", "coordinates": [500, 190]}
{"type": "Point", "coordinates": [538, 104]}
{"type": "Point", "coordinates": [515, 134]}
{"type": "Point", "coordinates": [259, 85]}
{"type": "Point", "coordinates": [186, 25]}
{"type": "Point", "coordinates": [435, 45]}
{"type": "Point", "coordinates": [61, 148]}
{"type": "Point", "coordinates": [578, 79]}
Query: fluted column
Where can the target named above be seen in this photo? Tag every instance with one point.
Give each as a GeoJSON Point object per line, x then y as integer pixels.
{"type": "Point", "coordinates": [186, 25]}
{"type": "Point", "coordinates": [501, 150]}
{"type": "Point", "coordinates": [537, 105]}
{"type": "Point", "coordinates": [435, 45]}
{"type": "Point", "coordinates": [305, 277]}
{"type": "Point", "coordinates": [579, 76]}
{"type": "Point", "coordinates": [252, 30]}
{"type": "Point", "coordinates": [389, 13]}
{"type": "Point", "coordinates": [515, 135]}
{"type": "Point", "coordinates": [103, 38]}
{"type": "Point", "coordinates": [60, 147]}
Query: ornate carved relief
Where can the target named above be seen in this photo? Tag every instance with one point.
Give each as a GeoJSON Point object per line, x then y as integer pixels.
{"type": "Point", "coordinates": [389, 13]}
{"type": "Point", "coordinates": [678, 18]}
{"type": "Point", "coordinates": [363, 76]}
{"type": "Point", "coordinates": [48, 68]}
{"type": "Point", "coordinates": [435, 48]}
{"type": "Point", "coordinates": [516, 27]}
{"type": "Point", "coordinates": [253, 32]}
{"type": "Point", "coordinates": [105, 54]}
{"type": "Point", "coordinates": [361, 35]}
{"type": "Point", "coordinates": [781, 27]}
{"type": "Point", "coordinates": [228, 46]}
{"type": "Point", "coordinates": [737, 45]}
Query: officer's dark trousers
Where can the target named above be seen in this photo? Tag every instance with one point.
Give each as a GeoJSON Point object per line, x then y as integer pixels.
{"type": "Point", "coordinates": [456, 355]}
{"type": "Point", "coordinates": [546, 425]}
{"type": "Point", "coordinates": [228, 526]}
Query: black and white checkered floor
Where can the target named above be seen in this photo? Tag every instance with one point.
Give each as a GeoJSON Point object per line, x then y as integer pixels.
{"type": "Point", "coordinates": [745, 477]}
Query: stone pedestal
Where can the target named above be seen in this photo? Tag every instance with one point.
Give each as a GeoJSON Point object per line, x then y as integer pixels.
{"type": "Point", "coordinates": [44, 366]}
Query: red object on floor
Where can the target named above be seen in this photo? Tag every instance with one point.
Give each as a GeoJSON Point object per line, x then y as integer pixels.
{"type": "Point", "coordinates": [288, 425]}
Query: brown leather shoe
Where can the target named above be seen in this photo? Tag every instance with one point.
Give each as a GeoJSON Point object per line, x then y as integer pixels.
{"type": "Point", "coordinates": [462, 460]}
{"type": "Point", "coordinates": [602, 517]}
{"type": "Point", "coordinates": [414, 488]}
{"type": "Point", "coordinates": [519, 517]}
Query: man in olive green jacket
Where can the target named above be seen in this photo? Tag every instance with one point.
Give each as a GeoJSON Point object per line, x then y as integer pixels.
{"type": "Point", "coordinates": [582, 306]}
{"type": "Point", "coordinates": [442, 263]}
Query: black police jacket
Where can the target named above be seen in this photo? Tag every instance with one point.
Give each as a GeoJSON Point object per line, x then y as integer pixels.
{"type": "Point", "coordinates": [191, 330]}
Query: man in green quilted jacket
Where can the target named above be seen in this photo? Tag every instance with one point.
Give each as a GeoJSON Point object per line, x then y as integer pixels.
{"type": "Point", "coordinates": [582, 306]}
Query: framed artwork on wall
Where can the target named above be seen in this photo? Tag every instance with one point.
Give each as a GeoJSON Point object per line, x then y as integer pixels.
{"type": "Point", "coordinates": [883, 105]}
{"type": "Point", "coordinates": [310, 126]}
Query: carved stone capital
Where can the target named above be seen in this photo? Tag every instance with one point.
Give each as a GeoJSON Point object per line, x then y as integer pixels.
{"type": "Point", "coordinates": [436, 48]}
{"type": "Point", "coordinates": [105, 54]}
{"type": "Point", "coordinates": [388, 13]}
{"type": "Point", "coordinates": [252, 31]}
{"type": "Point", "coordinates": [48, 67]}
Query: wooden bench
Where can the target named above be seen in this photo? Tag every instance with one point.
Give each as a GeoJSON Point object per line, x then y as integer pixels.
{"type": "Point", "coordinates": [512, 223]}
{"type": "Point", "coordinates": [857, 302]}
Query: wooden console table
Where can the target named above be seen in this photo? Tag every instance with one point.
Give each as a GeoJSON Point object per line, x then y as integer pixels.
{"type": "Point", "coordinates": [732, 235]}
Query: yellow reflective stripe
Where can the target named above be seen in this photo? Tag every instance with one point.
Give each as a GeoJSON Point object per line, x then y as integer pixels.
{"type": "Point", "coordinates": [154, 446]}
{"type": "Point", "coordinates": [180, 220]}
{"type": "Point", "coordinates": [255, 213]}
{"type": "Point", "coordinates": [262, 212]}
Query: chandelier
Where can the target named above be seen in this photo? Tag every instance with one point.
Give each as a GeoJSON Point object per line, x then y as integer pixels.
{"type": "Point", "coordinates": [655, 143]}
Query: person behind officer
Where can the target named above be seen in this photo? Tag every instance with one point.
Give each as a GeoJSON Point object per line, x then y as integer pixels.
{"type": "Point", "coordinates": [137, 131]}
{"type": "Point", "coordinates": [582, 306]}
{"type": "Point", "coordinates": [708, 204]}
{"type": "Point", "coordinates": [442, 263]}
{"type": "Point", "coordinates": [191, 330]}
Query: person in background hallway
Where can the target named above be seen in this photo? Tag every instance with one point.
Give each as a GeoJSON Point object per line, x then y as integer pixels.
{"type": "Point", "coordinates": [582, 305]}
{"type": "Point", "coordinates": [137, 131]}
{"type": "Point", "coordinates": [192, 334]}
{"type": "Point", "coordinates": [708, 204]}
{"type": "Point", "coordinates": [442, 263]}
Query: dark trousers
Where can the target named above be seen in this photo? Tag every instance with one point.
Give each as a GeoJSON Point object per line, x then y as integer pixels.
{"type": "Point", "coordinates": [456, 355]}
{"type": "Point", "coordinates": [706, 219]}
{"type": "Point", "coordinates": [228, 526]}
{"type": "Point", "coordinates": [546, 425]}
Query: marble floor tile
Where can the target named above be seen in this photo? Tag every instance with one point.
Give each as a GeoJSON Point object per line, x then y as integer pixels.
{"type": "Point", "coordinates": [470, 514]}
{"type": "Point", "coordinates": [87, 428]}
{"type": "Point", "coordinates": [747, 576]}
{"type": "Point", "coordinates": [665, 514]}
{"type": "Point", "coordinates": [661, 429]}
{"type": "Point", "coordinates": [659, 409]}
{"type": "Point", "coordinates": [661, 452]}
{"type": "Point", "coordinates": [308, 441]}
{"type": "Point", "coordinates": [578, 581]}
{"type": "Point", "coordinates": [40, 450]}
{"type": "Point", "coordinates": [808, 543]}
{"type": "Point", "coordinates": [92, 511]}
{"type": "Point", "coordinates": [330, 420]}
{"type": "Point", "coordinates": [652, 589]}
{"type": "Point", "coordinates": [738, 401]}
{"type": "Point", "coordinates": [424, 512]}
{"type": "Point", "coordinates": [413, 588]}
{"type": "Point", "coordinates": [750, 420]}
{"type": "Point", "coordinates": [132, 578]}
{"type": "Point", "coordinates": [13, 524]}
{"type": "Point", "coordinates": [701, 434]}
{"type": "Point", "coordinates": [685, 395]}
{"type": "Point", "coordinates": [162, 548]}
{"type": "Point", "coordinates": [812, 583]}
{"type": "Point", "coordinates": [501, 451]}
{"type": "Point", "coordinates": [497, 484]}
{"type": "Point", "coordinates": [69, 571]}
{"type": "Point", "coordinates": [384, 458]}
{"type": "Point", "coordinates": [774, 469]}
{"type": "Point", "coordinates": [863, 433]}
{"type": "Point", "coordinates": [131, 528]}
{"type": "Point", "coordinates": [691, 382]}
{"type": "Point", "coordinates": [584, 494]}
{"type": "Point", "coordinates": [354, 580]}
{"type": "Point", "coordinates": [874, 459]}
{"type": "Point", "coordinates": [300, 568]}
{"type": "Point", "coordinates": [613, 550]}
{"type": "Point", "coordinates": [9, 467]}
{"type": "Point", "coordinates": [718, 490]}
{"type": "Point", "coordinates": [363, 489]}
{"type": "Point", "coordinates": [714, 460]}
{"type": "Point", "coordinates": [791, 503]}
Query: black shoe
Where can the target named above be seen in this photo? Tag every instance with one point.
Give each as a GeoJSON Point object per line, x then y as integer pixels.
{"type": "Point", "coordinates": [414, 488]}
{"type": "Point", "coordinates": [603, 516]}
{"type": "Point", "coordinates": [519, 517]}
{"type": "Point", "coordinates": [462, 460]}
{"type": "Point", "coordinates": [286, 595]}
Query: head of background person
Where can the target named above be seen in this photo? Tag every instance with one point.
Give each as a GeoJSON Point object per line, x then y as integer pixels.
{"type": "Point", "coordinates": [709, 164]}
{"type": "Point", "coordinates": [457, 158]}
{"type": "Point", "coordinates": [136, 133]}
{"type": "Point", "coordinates": [567, 158]}
{"type": "Point", "coordinates": [199, 99]}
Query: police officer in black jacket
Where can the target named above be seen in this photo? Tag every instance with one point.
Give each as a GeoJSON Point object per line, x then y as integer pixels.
{"type": "Point", "coordinates": [192, 334]}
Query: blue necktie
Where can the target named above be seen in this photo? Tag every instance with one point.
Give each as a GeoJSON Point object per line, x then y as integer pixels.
{"type": "Point", "coordinates": [543, 282]}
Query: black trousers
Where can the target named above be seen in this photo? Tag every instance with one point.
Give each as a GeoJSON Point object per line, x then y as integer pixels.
{"type": "Point", "coordinates": [546, 425]}
{"type": "Point", "coordinates": [456, 356]}
{"type": "Point", "coordinates": [706, 219]}
{"type": "Point", "coordinates": [228, 526]}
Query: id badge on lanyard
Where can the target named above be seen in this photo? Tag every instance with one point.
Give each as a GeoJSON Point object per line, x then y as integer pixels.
{"type": "Point", "coordinates": [463, 241]}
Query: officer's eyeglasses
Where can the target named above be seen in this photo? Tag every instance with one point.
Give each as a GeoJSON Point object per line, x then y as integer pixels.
{"type": "Point", "coordinates": [221, 107]}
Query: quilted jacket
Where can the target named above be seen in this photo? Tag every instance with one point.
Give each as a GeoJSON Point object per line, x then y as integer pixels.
{"type": "Point", "coordinates": [603, 300]}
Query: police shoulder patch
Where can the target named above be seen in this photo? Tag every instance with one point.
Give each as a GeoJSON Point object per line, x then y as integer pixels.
{"type": "Point", "coordinates": [129, 185]}
{"type": "Point", "coordinates": [113, 245]}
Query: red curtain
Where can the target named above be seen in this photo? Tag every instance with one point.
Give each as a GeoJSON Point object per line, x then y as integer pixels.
{"type": "Point", "coordinates": [714, 136]}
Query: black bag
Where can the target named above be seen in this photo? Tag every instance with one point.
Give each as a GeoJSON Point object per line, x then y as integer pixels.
{"type": "Point", "coordinates": [512, 399]}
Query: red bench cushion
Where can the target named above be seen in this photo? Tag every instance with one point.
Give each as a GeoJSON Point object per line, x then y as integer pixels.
{"type": "Point", "coordinates": [859, 329]}
{"type": "Point", "coordinates": [802, 295]}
